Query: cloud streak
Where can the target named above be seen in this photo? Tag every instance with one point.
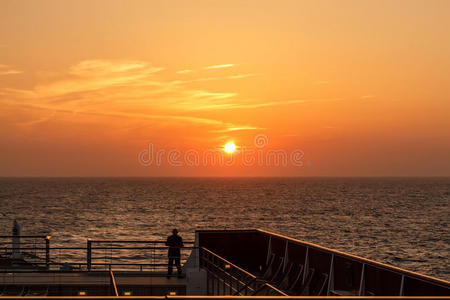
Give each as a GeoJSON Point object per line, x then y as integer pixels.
{"type": "Point", "coordinates": [6, 70]}
{"type": "Point", "coordinates": [219, 66]}
{"type": "Point", "coordinates": [93, 75]}
{"type": "Point", "coordinates": [184, 71]}
{"type": "Point", "coordinates": [136, 90]}
{"type": "Point", "coordinates": [125, 89]}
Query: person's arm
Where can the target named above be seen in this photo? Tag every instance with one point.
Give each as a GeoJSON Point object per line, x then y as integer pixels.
{"type": "Point", "coordinates": [167, 242]}
{"type": "Point", "coordinates": [181, 242]}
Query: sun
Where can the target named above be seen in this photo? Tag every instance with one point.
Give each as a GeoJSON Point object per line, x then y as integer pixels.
{"type": "Point", "coordinates": [229, 147]}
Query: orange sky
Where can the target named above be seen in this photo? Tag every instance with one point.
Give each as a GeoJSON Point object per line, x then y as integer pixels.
{"type": "Point", "coordinates": [360, 87]}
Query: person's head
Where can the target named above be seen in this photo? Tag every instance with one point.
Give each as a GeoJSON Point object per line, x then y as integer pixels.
{"type": "Point", "coordinates": [175, 231]}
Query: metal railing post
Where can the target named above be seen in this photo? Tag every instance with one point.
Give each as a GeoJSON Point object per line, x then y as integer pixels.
{"type": "Point", "coordinates": [113, 283]}
{"type": "Point", "coordinates": [89, 254]}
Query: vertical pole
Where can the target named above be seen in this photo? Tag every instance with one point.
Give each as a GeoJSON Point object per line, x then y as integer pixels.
{"type": "Point", "coordinates": [306, 266]}
{"type": "Point", "coordinates": [47, 251]}
{"type": "Point", "coordinates": [331, 276]}
{"type": "Point", "coordinates": [362, 283]}
{"type": "Point", "coordinates": [89, 254]}
{"type": "Point", "coordinates": [269, 251]}
{"type": "Point", "coordinates": [286, 254]}
{"type": "Point", "coordinates": [402, 286]}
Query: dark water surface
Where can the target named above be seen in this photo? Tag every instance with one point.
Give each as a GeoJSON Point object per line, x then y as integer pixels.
{"type": "Point", "coordinates": [399, 221]}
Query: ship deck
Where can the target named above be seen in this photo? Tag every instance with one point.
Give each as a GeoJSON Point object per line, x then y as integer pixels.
{"type": "Point", "coordinates": [90, 279]}
{"type": "Point", "coordinates": [220, 263]}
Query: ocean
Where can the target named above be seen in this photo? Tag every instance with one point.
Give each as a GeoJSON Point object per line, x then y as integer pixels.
{"type": "Point", "coordinates": [398, 221]}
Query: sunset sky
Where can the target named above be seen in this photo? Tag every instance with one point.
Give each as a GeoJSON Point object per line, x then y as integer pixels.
{"type": "Point", "coordinates": [362, 88]}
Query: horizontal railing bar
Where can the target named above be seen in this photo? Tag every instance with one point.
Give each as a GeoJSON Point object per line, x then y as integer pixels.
{"type": "Point", "coordinates": [97, 248]}
{"type": "Point", "coordinates": [33, 272]}
{"type": "Point", "coordinates": [23, 243]}
{"type": "Point", "coordinates": [23, 236]}
{"type": "Point", "coordinates": [128, 264]}
{"type": "Point", "coordinates": [119, 273]}
{"type": "Point", "coordinates": [100, 241]}
{"type": "Point", "coordinates": [138, 248]}
{"type": "Point", "coordinates": [51, 248]}
{"type": "Point", "coordinates": [93, 264]}
{"type": "Point", "coordinates": [144, 258]}
{"type": "Point", "coordinates": [134, 241]}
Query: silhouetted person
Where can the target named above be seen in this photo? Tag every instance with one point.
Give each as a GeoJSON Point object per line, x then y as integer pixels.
{"type": "Point", "coordinates": [174, 242]}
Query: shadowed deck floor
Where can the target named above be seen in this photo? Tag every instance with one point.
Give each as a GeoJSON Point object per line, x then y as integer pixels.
{"type": "Point", "coordinates": [87, 279]}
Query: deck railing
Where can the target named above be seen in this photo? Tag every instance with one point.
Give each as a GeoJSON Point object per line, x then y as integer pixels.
{"type": "Point", "coordinates": [142, 255]}
{"type": "Point", "coordinates": [226, 278]}
{"type": "Point", "coordinates": [302, 268]}
{"type": "Point", "coordinates": [147, 255]}
{"type": "Point", "coordinates": [35, 248]}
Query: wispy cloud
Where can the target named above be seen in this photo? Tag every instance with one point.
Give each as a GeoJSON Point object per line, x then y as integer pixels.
{"type": "Point", "coordinates": [98, 74]}
{"type": "Point", "coordinates": [96, 84]}
{"type": "Point", "coordinates": [6, 70]}
{"type": "Point", "coordinates": [184, 71]}
{"type": "Point", "coordinates": [182, 120]}
{"type": "Point", "coordinates": [369, 96]}
{"type": "Point", "coordinates": [94, 68]}
{"type": "Point", "coordinates": [212, 78]}
{"type": "Point", "coordinates": [248, 104]}
{"type": "Point", "coordinates": [125, 89]}
{"type": "Point", "coordinates": [136, 91]}
{"type": "Point", "coordinates": [239, 76]}
{"type": "Point", "coordinates": [232, 128]}
{"type": "Point", "coordinates": [210, 95]}
{"type": "Point", "coordinates": [219, 66]}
